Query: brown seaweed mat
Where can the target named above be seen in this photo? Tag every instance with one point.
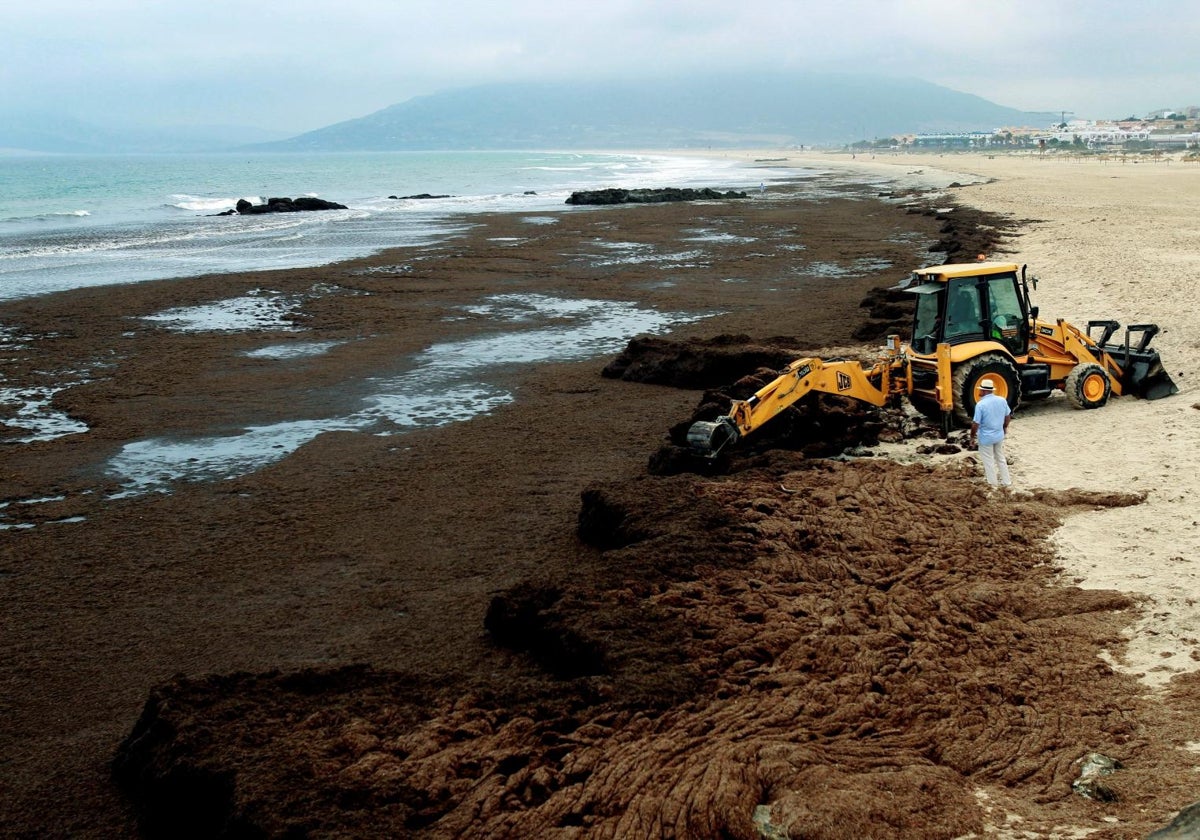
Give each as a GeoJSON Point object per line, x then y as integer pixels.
{"type": "Point", "coordinates": [512, 626]}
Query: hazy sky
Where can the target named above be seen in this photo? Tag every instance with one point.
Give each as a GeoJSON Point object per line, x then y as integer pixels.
{"type": "Point", "coordinates": [303, 64]}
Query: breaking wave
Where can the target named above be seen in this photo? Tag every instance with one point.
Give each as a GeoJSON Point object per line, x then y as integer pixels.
{"type": "Point", "coordinates": [209, 205]}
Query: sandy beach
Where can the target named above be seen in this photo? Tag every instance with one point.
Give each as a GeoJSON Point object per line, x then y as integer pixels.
{"type": "Point", "coordinates": [510, 626]}
{"type": "Point", "coordinates": [1119, 240]}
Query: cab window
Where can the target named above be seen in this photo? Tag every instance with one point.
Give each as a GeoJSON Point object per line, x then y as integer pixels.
{"type": "Point", "coordinates": [1006, 321]}
{"type": "Point", "coordinates": [963, 312]}
{"type": "Point", "coordinates": [927, 321]}
{"type": "Point", "coordinates": [1004, 305]}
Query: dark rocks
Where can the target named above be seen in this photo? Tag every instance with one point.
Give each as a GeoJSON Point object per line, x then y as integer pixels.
{"type": "Point", "coordinates": [939, 449]}
{"type": "Point", "coordinates": [283, 205]}
{"type": "Point", "coordinates": [616, 196]}
{"type": "Point", "coordinates": [1094, 768]}
{"type": "Point", "coordinates": [1185, 826]}
{"type": "Point", "coordinates": [421, 196]}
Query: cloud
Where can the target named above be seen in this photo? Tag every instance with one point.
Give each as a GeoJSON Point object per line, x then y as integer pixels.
{"type": "Point", "coordinates": [307, 63]}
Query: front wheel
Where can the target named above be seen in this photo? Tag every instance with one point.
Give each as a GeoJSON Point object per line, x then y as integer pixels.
{"type": "Point", "coordinates": [1087, 386]}
{"type": "Point", "coordinates": [967, 376]}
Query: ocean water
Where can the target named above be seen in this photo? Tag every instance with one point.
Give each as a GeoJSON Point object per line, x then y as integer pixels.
{"type": "Point", "coordinates": [73, 221]}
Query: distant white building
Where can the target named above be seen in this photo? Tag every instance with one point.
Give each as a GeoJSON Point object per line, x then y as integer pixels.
{"type": "Point", "coordinates": [952, 140]}
{"type": "Point", "coordinates": [1096, 134]}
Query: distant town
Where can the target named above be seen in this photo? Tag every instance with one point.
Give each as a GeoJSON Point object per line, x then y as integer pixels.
{"type": "Point", "coordinates": [1161, 131]}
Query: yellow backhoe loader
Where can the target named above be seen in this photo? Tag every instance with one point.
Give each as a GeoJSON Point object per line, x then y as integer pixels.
{"type": "Point", "coordinates": [971, 320]}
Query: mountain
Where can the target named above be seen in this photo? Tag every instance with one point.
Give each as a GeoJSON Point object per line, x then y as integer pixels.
{"type": "Point", "coordinates": [55, 133]}
{"type": "Point", "coordinates": [726, 111]}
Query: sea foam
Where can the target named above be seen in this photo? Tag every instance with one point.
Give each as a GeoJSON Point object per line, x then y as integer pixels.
{"type": "Point", "coordinates": [209, 205]}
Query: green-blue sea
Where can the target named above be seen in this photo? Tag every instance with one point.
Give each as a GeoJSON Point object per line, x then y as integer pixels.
{"type": "Point", "coordinates": [72, 221]}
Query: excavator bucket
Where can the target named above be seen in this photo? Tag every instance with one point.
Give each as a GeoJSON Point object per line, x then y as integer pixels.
{"type": "Point", "coordinates": [709, 438]}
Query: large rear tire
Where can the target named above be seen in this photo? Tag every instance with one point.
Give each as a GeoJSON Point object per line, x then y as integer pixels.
{"type": "Point", "coordinates": [967, 376]}
{"type": "Point", "coordinates": [1087, 386]}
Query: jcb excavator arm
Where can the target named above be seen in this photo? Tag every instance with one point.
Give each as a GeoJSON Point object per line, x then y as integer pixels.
{"type": "Point", "coordinates": [848, 378]}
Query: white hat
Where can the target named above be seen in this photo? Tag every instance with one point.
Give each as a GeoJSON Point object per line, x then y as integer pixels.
{"type": "Point", "coordinates": [986, 385]}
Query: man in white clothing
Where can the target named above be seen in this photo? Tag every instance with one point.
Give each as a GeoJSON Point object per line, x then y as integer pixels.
{"type": "Point", "coordinates": [990, 426]}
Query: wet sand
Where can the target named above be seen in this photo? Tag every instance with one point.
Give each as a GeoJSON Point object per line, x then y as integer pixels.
{"type": "Point", "coordinates": [507, 626]}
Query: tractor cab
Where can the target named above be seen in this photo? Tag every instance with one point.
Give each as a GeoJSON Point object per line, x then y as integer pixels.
{"type": "Point", "coordinates": [968, 302]}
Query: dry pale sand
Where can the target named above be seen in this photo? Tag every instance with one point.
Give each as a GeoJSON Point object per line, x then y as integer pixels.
{"type": "Point", "coordinates": [1108, 239]}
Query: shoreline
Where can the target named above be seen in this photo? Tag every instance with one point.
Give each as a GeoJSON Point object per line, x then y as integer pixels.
{"type": "Point", "coordinates": [152, 226]}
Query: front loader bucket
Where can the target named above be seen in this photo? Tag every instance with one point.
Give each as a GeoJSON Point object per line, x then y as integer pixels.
{"type": "Point", "coordinates": [1142, 373]}
{"type": "Point", "coordinates": [1155, 386]}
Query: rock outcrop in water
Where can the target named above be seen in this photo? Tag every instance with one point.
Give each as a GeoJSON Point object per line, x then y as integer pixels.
{"type": "Point", "coordinates": [616, 196]}
{"type": "Point", "coordinates": [283, 205]}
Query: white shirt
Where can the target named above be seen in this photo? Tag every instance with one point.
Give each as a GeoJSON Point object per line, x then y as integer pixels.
{"type": "Point", "coordinates": [990, 412]}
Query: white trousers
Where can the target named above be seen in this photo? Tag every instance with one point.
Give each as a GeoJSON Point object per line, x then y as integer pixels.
{"type": "Point", "coordinates": [992, 457]}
